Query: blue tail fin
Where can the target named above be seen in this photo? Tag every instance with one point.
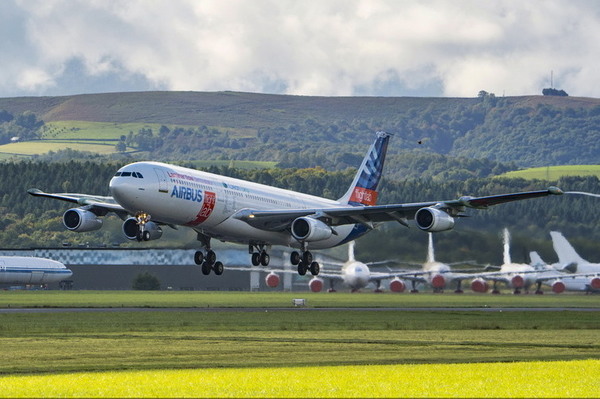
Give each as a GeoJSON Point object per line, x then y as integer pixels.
{"type": "Point", "coordinates": [363, 190]}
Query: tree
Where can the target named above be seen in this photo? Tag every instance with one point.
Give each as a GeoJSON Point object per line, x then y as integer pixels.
{"type": "Point", "coordinates": [146, 282]}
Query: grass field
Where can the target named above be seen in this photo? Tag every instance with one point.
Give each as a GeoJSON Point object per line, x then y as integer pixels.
{"type": "Point", "coordinates": [202, 351]}
{"type": "Point", "coordinates": [532, 379]}
{"type": "Point", "coordinates": [223, 299]}
{"type": "Point", "coordinates": [553, 173]}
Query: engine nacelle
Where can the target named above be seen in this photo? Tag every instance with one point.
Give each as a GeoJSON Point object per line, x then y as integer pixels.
{"type": "Point", "coordinates": [479, 285]}
{"type": "Point", "coordinates": [309, 229]}
{"type": "Point", "coordinates": [316, 284]}
{"type": "Point", "coordinates": [80, 220]}
{"type": "Point", "coordinates": [272, 280]}
{"type": "Point", "coordinates": [397, 285]}
{"type": "Point", "coordinates": [432, 219]}
{"type": "Point", "coordinates": [438, 281]}
{"type": "Point", "coordinates": [558, 287]}
{"type": "Point", "coordinates": [517, 281]}
{"type": "Point", "coordinates": [595, 283]}
{"type": "Point", "coordinates": [152, 231]}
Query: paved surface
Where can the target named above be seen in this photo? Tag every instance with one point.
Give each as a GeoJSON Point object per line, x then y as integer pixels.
{"type": "Point", "coordinates": [293, 309]}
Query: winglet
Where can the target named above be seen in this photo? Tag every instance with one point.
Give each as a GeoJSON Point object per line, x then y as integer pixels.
{"type": "Point", "coordinates": [35, 191]}
{"type": "Point", "coordinates": [555, 190]}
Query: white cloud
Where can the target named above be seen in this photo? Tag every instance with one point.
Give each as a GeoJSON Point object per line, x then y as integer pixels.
{"type": "Point", "coordinates": [327, 47]}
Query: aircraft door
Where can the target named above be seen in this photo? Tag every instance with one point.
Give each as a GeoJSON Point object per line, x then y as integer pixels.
{"type": "Point", "coordinates": [163, 182]}
{"type": "Point", "coordinates": [37, 277]}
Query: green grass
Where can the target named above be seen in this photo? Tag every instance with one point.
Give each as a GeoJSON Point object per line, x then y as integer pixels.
{"type": "Point", "coordinates": [201, 351]}
{"type": "Point", "coordinates": [552, 173]}
{"type": "Point", "coordinates": [104, 341]}
{"type": "Point", "coordinates": [202, 299]}
{"type": "Point", "coordinates": [29, 148]}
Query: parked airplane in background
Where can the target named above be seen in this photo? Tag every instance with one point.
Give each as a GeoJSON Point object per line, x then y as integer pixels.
{"type": "Point", "coordinates": [568, 256]}
{"type": "Point", "coordinates": [29, 270]}
{"type": "Point", "coordinates": [567, 281]}
{"type": "Point", "coordinates": [150, 195]}
{"type": "Point", "coordinates": [438, 275]}
{"type": "Point", "coordinates": [519, 276]}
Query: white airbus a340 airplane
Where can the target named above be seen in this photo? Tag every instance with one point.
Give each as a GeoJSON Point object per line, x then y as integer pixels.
{"type": "Point", "coordinates": [151, 195]}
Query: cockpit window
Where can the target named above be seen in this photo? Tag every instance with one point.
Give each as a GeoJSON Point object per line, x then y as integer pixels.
{"type": "Point", "coordinates": [137, 175]}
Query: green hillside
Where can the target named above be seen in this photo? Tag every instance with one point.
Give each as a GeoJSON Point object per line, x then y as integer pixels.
{"type": "Point", "coordinates": [501, 133]}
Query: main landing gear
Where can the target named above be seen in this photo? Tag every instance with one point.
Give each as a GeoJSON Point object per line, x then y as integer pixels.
{"type": "Point", "coordinates": [208, 261]}
{"type": "Point", "coordinates": [305, 263]}
{"type": "Point", "coordinates": [260, 256]}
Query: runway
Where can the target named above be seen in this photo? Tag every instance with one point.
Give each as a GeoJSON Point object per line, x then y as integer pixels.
{"type": "Point", "coordinates": [295, 309]}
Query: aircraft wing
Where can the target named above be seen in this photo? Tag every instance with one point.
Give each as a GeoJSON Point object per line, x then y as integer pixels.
{"type": "Point", "coordinates": [280, 220]}
{"type": "Point", "coordinates": [97, 204]}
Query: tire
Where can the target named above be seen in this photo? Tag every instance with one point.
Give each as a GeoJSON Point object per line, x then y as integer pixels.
{"type": "Point", "coordinates": [255, 259]}
{"type": "Point", "coordinates": [301, 269]}
{"type": "Point", "coordinates": [295, 258]}
{"type": "Point", "coordinates": [211, 257]}
{"type": "Point", "coordinates": [146, 235]}
{"type": "Point", "coordinates": [206, 269]}
{"type": "Point", "coordinates": [315, 268]}
{"type": "Point", "coordinates": [307, 258]}
{"type": "Point", "coordinates": [218, 268]}
{"type": "Point", "coordinates": [198, 257]}
{"type": "Point", "coordinates": [264, 258]}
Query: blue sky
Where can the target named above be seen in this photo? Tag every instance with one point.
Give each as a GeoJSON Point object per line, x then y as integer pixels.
{"type": "Point", "coordinates": [311, 47]}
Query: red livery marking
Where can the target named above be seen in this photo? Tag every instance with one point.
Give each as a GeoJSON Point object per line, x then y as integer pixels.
{"type": "Point", "coordinates": [364, 196]}
{"type": "Point", "coordinates": [210, 199]}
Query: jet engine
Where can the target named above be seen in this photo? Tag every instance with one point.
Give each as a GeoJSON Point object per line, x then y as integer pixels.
{"type": "Point", "coordinates": [80, 220]}
{"type": "Point", "coordinates": [272, 280]}
{"type": "Point", "coordinates": [152, 231]}
{"type": "Point", "coordinates": [479, 285]}
{"type": "Point", "coordinates": [433, 219]}
{"type": "Point", "coordinates": [309, 229]}
{"type": "Point", "coordinates": [558, 287]}
{"type": "Point", "coordinates": [438, 281]}
{"type": "Point", "coordinates": [517, 281]}
{"type": "Point", "coordinates": [397, 285]}
{"type": "Point", "coordinates": [595, 283]}
{"type": "Point", "coordinates": [316, 284]}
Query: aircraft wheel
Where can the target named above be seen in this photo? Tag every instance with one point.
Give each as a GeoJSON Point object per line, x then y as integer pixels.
{"type": "Point", "coordinates": [138, 236]}
{"type": "Point", "coordinates": [307, 257]}
{"type": "Point", "coordinates": [315, 268]}
{"type": "Point", "coordinates": [146, 235]}
{"type": "Point", "coordinates": [218, 268]}
{"type": "Point", "coordinates": [198, 258]}
{"type": "Point", "coordinates": [211, 257]}
{"type": "Point", "coordinates": [295, 258]}
{"type": "Point", "coordinates": [206, 268]}
{"type": "Point", "coordinates": [255, 259]}
{"type": "Point", "coordinates": [264, 258]}
{"type": "Point", "coordinates": [301, 269]}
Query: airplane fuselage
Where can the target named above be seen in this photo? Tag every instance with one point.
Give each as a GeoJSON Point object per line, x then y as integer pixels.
{"type": "Point", "coordinates": [206, 202]}
{"type": "Point", "coordinates": [30, 270]}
